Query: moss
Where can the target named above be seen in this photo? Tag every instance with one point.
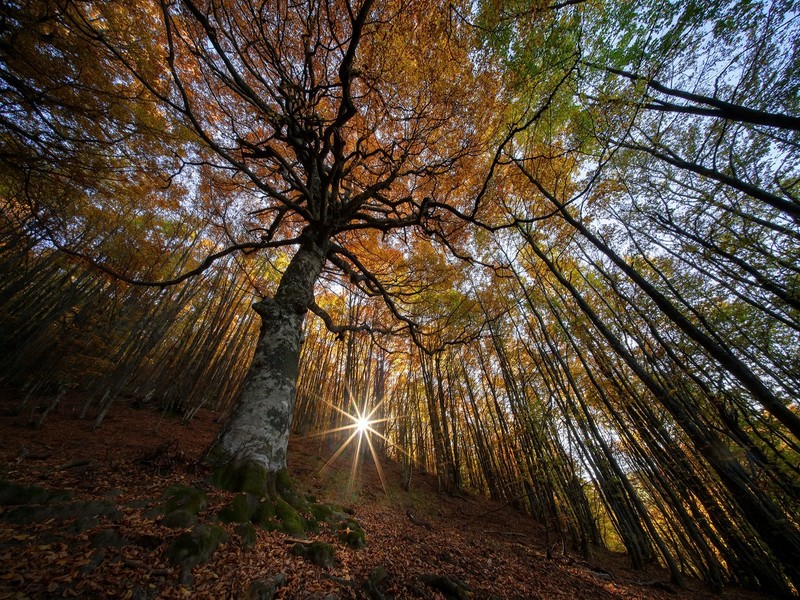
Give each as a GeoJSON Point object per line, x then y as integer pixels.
{"type": "Point", "coordinates": [224, 478]}
{"type": "Point", "coordinates": [196, 546]}
{"type": "Point", "coordinates": [12, 494]}
{"type": "Point", "coordinates": [253, 479]}
{"type": "Point", "coordinates": [283, 482]}
{"type": "Point", "coordinates": [285, 489]}
{"type": "Point", "coordinates": [355, 538]}
{"type": "Point", "coordinates": [338, 518]}
{"type": "Point", "coordinates": [264, 513]}
{"type": "Point", "coordinates": [179, 519]}
{"type": "Point", "coordinates": [375, 582]}
{"type": "Point", "coordinates": [311, 524]}
{"type": "Point", "coordinates": [237, 476]}
{"type": "Point", "coordinates": [452, 587]}
{"type": "Point", "coordinates": [61, 512]}
{"type": "Point", "coordinates": [245, 476]}
{"type": "Point", "coordinates": [284, 511]}
{"type": "Point", "coordinates": [321, 512]}
{"type": "Point", "coordinates": [82, 524]}
{"type": "Point", "coordinates": [153, 512]}
{"type": "Point", "coordinates": [240, 510]}
{"type": "Point", "coordinates": [351, 533]}
{"type": "Point", "coordinates": [247, 533]}
{"type": "Point", "coordinates": [187, 498]}
{"type": "Point", "coordinates": [289, 517]}
{"type": "Point", "coordinates": [270, 526]}
{"type": "Point", "coordinates": [319, 553]}
{"type": "Point", "coordinates": [106, 538]}
{"type": "Point", "coordinates": [265, 589]}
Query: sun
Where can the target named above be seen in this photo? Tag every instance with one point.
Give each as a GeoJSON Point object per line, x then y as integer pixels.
{"type": "Point", "coordinates": [362, 427]}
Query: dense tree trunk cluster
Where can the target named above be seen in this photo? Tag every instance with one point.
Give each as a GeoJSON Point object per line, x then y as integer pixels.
{"type": "Point", "coordinates": [67, 328]}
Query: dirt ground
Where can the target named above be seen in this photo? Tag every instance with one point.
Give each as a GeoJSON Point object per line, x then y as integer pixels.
{"type": "Point", "coordinates": [119, 548]}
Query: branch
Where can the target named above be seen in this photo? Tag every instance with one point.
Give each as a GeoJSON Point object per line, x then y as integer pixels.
{"type": "Point", "coordinates": [340, 330]}
{"type": "Point", "coordinates": [203, 266]}
{"type": "Point", "coordinates": [184, 107]}
{"type": "Point", "coordinates": [347, 109]}
{"type": "Point", "coordinates": [375, 288]}
{"type": "Point", "coordinates": [722, 109]}
{"type": "Point", "coordinates": [565, 3]}
{"type": "Point", "coordinates": [783, 205]}
{"type": "Point", "coordinates": [371, 285]}
{"type": "Point", "coordinates": [516, 129]}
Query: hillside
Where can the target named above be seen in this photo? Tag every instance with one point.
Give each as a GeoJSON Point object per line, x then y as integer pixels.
{"type": "Point", "coordinates": [106, 536]}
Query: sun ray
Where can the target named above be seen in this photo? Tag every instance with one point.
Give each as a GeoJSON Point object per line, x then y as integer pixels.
{"type": "Point", "coordinates": [361, 425]}
{"type": "Point", "coordinates": [341, 449]}
{"type": "Point", "coordinates": [377, 461]}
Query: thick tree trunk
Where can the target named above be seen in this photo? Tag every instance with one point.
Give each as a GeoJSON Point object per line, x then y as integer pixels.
{"type": "Point", "coordinates": [251, 449]}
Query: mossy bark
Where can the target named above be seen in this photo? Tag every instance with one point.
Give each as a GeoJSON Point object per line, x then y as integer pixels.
{"type": "Point", "coordinates": [242, 509]}
{"type": "Point", "coordinates": [186, 498]}
{"type": "Point", "coordinates": [193, 547]}
{"type": "Point", "coordinates": [293, 523]}
{"type": "Point", "coordinates": [250, 453]}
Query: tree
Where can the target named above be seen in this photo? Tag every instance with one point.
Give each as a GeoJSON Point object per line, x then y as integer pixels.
{"type": "Point", "coordinates": [320, 126]}
{"type": "Point", "coordinates": [677, 114]}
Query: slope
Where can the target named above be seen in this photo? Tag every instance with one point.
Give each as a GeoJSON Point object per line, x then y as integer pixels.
{"type": "Point", "coordinates": [81, 515]}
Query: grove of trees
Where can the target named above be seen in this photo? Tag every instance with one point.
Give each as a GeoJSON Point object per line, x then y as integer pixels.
{"type": "Point", "coordinates": [553, 247]}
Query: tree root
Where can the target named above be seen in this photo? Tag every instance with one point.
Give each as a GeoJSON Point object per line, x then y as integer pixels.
{"type": "Point", "coordinates": [451, 587]}
{"type": "Point", "coordinates": [418, 522]}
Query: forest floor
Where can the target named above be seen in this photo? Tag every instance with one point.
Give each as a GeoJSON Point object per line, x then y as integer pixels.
{"type": "Point", "coordinates": [106, 537]}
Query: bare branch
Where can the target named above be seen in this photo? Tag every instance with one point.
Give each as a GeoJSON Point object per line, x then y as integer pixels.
{"type": "Point", "coordinates": [721, 108]}
{"type": "Point", "coordinates": [340, 330]}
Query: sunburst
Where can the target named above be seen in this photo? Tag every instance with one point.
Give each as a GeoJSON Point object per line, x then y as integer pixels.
{"type": "Point", "coordinates": [362, 427]}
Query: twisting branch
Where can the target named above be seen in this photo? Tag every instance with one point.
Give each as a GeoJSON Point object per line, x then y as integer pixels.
{"type": "Point", "coordinates": [367, 282]}
{"type": "Point", "coordinates": [209, 260]}
{"type": "Point", "coordinates": [347, 109]}
{"type": "Point", "coordinates": [340, 330]}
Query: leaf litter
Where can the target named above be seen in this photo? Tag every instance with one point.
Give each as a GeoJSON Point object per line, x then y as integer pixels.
{"type": "Point", "coordinates": [125, 468]}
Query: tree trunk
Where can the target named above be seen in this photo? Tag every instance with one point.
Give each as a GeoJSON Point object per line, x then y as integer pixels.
{"type": "Point", "coordinates": [251, 449]}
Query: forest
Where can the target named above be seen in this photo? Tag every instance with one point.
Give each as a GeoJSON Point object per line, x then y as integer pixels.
{"type": "Point", "coordinates": [545, 252]}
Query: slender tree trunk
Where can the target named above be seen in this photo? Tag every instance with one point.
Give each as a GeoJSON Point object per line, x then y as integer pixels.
{"type": "Point", "coordinates": [252, 446]}
{"type": "Point", "coordinates": [708, 341]}
{"type": "Point", "coordinates": [777, 531]}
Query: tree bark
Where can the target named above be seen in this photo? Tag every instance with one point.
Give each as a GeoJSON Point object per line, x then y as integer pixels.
{"type": "Point", "coordinates": [252, 445]}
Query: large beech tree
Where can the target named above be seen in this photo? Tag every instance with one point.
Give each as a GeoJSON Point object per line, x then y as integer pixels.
{"type": "Point", "coordinates": [324, 126]}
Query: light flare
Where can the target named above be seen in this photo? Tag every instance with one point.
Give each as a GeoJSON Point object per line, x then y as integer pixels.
{"type": "Point", "coordinates": [362, 425]}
